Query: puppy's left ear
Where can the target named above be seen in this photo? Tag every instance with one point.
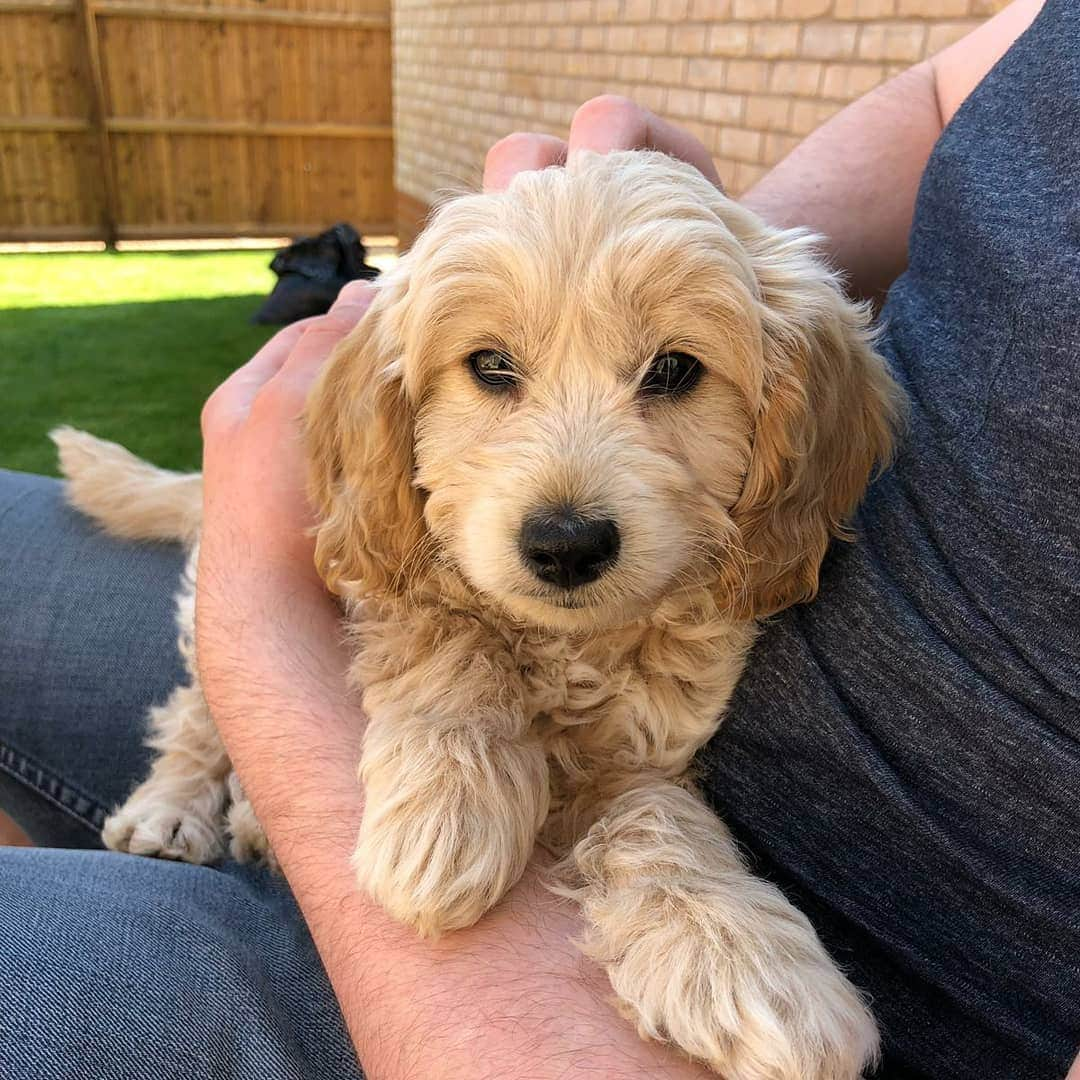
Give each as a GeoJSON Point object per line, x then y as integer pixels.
{"type": "Point", "coordinates": [829, 412]}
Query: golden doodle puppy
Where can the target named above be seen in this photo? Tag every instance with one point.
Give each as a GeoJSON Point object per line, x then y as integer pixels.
{"type": "Point", "coordinates": [592, 429]}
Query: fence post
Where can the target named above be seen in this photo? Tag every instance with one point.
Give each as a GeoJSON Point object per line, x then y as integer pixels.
{"type": "Point", "coordinates": [100, 120]}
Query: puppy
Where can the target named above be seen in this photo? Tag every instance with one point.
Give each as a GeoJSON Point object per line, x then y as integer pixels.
{"type": "Point", "coordinates": [591, 431]}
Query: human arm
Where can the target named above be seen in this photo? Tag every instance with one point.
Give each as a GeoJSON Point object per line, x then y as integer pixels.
{"type": "Point", "coordinates": [509, 997]}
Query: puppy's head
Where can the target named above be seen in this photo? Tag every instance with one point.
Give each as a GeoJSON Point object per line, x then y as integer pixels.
{"type": "Point", "coordinates": [607, 384]}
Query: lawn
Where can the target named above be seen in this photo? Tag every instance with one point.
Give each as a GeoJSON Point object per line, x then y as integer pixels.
{"type": "Point", "coordinates": [126, 345]}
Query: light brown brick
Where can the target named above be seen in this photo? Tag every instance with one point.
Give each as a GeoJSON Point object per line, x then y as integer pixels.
{"type": "Point", "coordinates": [932, 9]}
{"type": "Point", "coordinates": [771, 39]}
{"type": "Point", "coordinates": [723, 108]}
{"type": "Point", "coordinates": [590, 38]}
{"type": "Point", "coordinates": [767, 113]}
{"type": "Point", "coordinates": [805, 9]}
{"type": "Point", "coordinates": [845, 82]}
{"type": "Point", "coordinates": [754, 9]}
{"type": "Point", "coordinates": [729, 39]}
{"type": "Point", "coordinates": [795, 77]}
{"type": "Point", "coordinates": [747, 75]}
{"type": "Point", "coordinates": [864, 9]}
{"type": "Point", "coordinates": [690, 39]}
{"type": "Point", "coordinates": [634, 68]}
{"type": "Point", "coordinates": [746, 176]}
{"type": "Point", "coordinates": [672, 10]}
{"type": "Point", "coordinates": [652, 97]}
{"type": "Point", "coordinates": [637, 10]}
{"type": "Point", "coordinates": [740, 144]}
{"type": "Point", "coordinates": [620, 39]}
{"type": "Point", "coordinates": [710, 9]}
{"type": "Point", "coordinates": [706, 73]}
{"type": "Point", "coordinates": [682, 102]}
{"type": "Point", "coordinates": [670, 70]}
{"type": "Point", "coordinates": [829, 40]}
{"type": "Point", "coordinates": [651, 37]}
{"type": "Point", "coordinates": [806, 116]}
{"type": "Point", "coordinates": [892, 41]}
{"type": "Point", "coordinates": [777, 146]}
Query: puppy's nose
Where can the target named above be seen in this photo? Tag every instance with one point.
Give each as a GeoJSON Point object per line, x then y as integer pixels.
{"type": "Point", "coordinates": [562, 547]}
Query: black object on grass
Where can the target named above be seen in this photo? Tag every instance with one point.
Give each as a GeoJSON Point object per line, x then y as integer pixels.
{"type": "Point", "coordinates": [311, 272]}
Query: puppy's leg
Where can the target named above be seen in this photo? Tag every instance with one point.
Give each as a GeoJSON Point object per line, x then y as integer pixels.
{"type": "Point", "coordinates": [247, 841]}
{"type": "Point", "coordinates": [452, 808]}
{"type": "Point", "coordinates": [177, 812]}
{"type": "Point", "coordinates": [455, 789]}
{"type": "Point", "coordinates": [706, 956]}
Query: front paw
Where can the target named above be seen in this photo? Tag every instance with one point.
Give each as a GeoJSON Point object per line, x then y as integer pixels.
{"type": "Point", "coordinates": [443, 840]}
{"type": "Point", "coordinates": [164, 830]}
{"type": "Point", "coordinates": [725, 969]}
{"type": "Point", "coordinates": [753, 996]}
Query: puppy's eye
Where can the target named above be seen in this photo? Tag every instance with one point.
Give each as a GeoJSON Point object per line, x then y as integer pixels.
{"type": "Point", "coordinates": [671, 373]}
{"type": "Point", "coordinates": [493, 368]}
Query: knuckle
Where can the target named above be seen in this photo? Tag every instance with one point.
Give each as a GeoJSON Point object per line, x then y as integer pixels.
{"type": "Point", "coordinates": [510, 146]}
{"type": "Point", "coordinates": [331, 325]}
{"type": "Point", "coordinates": [355, 292]}
{"type": "Point", "coordinates": [209, 417]}
{"type": "Point", "coordinates": [605, 106]}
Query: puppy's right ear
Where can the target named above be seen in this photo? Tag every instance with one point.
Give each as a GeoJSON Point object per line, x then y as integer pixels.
{"type": "Point", "coordinates": [359, 432]}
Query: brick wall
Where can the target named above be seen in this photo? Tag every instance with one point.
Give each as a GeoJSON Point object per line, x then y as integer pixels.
{"type": "Point", "coordinates": [749, 77]}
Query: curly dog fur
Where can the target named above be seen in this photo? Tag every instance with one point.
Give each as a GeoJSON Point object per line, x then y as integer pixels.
{"type": "Point", "coordinates": [504, 708]}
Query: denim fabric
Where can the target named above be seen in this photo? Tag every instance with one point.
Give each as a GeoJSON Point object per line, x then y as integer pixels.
{"type": "Point", "coordinates": [121, 968]}
{"type": "Point", "coordinates": [903, 756]}
{"type": "Point", "coordinates": [87, 644]}
{"type": "Point", "coordinates": [114, 967]}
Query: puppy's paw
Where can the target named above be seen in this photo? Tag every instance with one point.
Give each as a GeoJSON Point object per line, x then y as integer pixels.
{"type": "Point", "coordinates": [247, 841]}
{"type": "Point", "coordinates": [442, 840]}
{"type": "Point", "coordinates": [164, 831]}
{"type": "Point", "coordinates": [744, 987]}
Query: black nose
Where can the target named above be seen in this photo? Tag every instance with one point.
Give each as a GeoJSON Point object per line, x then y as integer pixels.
{"type": "Point", "coordinates": [561, 547]}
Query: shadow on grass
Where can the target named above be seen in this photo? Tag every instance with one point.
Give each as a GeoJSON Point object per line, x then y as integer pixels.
{"type": "Point", "coordinates": [137, 373]}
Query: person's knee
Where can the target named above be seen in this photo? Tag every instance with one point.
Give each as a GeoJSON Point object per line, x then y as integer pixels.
{"type": "Point", "coordinates": [125, 967]}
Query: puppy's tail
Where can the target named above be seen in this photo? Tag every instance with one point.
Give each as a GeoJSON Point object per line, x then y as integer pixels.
{"type": "Point", "coordinates": [126, 496]}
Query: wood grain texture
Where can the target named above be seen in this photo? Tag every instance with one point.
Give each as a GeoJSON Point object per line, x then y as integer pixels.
{"type": "Point", "coordinates": [146, 118]}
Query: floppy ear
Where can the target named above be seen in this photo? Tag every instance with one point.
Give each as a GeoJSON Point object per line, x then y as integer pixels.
{"type": "Point", "coordinates": [829, 412]}
{"type": "Point", "coordinates": [359, 433]}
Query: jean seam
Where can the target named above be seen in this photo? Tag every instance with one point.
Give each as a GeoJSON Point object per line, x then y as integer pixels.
{"type": "Point", "coordinates": [23, 768]}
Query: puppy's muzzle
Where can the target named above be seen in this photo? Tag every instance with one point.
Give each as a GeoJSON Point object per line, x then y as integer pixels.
{"type": "Point", "coordinates": [565, 548]}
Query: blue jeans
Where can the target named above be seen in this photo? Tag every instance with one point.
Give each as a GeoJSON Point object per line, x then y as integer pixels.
{"type": "Point", "coordinates": [114, 967]}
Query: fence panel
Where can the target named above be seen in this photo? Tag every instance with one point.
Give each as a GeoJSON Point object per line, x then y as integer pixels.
{"type": "Point", "coordinates": [149, 118]}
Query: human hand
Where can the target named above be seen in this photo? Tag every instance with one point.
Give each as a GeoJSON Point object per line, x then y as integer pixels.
{"type": "Point", "coordinates": [264, 623]}
{"type": "Point", "coordinates": [255, 508]}
{"type": "Point", "coordinates": [602, 124]}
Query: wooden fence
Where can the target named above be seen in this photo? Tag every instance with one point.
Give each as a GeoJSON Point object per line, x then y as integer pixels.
{"type": "Point", "coordinates": [177, 118]}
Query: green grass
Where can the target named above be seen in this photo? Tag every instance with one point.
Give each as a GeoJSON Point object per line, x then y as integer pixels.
{"type": "Point", "coordinates": [126, 346]}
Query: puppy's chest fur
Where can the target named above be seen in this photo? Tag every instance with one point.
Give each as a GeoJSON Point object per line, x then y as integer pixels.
{"type": "Point", "coordinates": [605, 706]}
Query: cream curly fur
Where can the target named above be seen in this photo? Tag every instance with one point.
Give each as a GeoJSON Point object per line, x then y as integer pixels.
{"type": "Point", "coordinates": [503, 710]}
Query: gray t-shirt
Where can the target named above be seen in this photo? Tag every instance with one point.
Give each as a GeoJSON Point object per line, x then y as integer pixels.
{"type": "Point", "coordinates": [903, 757]}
